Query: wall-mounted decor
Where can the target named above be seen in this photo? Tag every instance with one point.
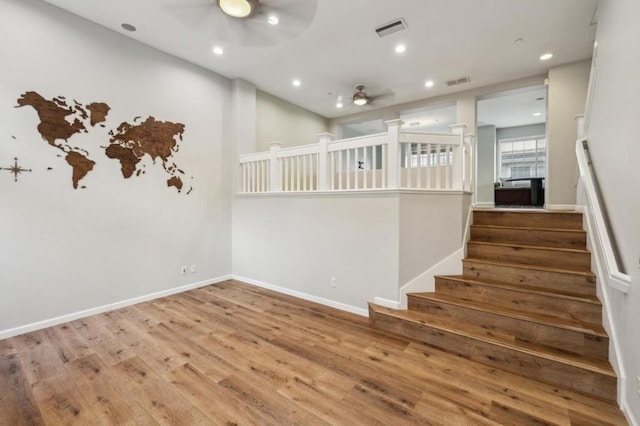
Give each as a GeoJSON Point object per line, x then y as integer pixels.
{"type": "Point", "coordinates": [129, 143]}
{"type": "Point", "coordinates": [15, 169]}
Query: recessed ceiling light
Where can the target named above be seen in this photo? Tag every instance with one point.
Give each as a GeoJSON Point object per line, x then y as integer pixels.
{"type": "Point", "coordinates": [296, 83]}
{"type": "Point", "coordinates": [218, 50]}
{"type": "Point", "coordinates": [537, 114]}
{"type": "Point", "coordinates": [546, 56]}
{"type": "Point", "coordinates": [273, 20]}
{"type": "Point", "coordinates": [128, 27]}
{"type": "Point", "coordinates": [518, 41]}
{"type": "Point", "coordinates": [429, 83]}
{"type": "Point", "coordinates": [339, 105]}
{"type": "Point", "coordinates": [401, 48]}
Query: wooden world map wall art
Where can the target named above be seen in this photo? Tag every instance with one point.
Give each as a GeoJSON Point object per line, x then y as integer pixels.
{"type": "Point", "coordinates": [130, 143]}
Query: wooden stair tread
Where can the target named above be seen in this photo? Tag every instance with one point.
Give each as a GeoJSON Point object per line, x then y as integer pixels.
{"type": "Point", "coordinates": [534, 210]}
{"type": "Point", "coordinates": [578, 297]}
{"type": "Point", "coordinates": [523, 228]}
{"type": "Point", "coordinates": [585, 273]}
{"type": "Point", "coordinates": [525, 246]}
{"type": "Point", "coordinates": [500, 339]}
{"type": "Point", "coordinates": [549, 320]}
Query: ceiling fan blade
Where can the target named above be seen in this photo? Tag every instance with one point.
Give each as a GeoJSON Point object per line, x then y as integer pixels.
{"type": "Point", "coordinates": [295, 16]}
{"type": "Point", "coordinates": [382, 98]}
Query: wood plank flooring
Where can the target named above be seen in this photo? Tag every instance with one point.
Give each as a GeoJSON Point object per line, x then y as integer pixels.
{"type": "Point", "coordinates": [235, 354]}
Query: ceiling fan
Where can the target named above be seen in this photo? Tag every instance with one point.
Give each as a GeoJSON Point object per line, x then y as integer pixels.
{"type": "Point", "coordinates": [246, 22]}
{"type": "Point", "coordinates": [361, 98]}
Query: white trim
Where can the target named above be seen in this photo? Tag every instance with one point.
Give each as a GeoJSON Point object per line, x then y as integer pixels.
{"type": "Point", "coordinates": [4, 334]}
{"type": "Point", "coordinates": [628, 412]}
{"type": "Point", "coordinates": [305, 296]}
{"type": "Point", "coordinates": [387, 303]}
{"type": "Point", "coordinates": [450, 265]}
{"type": "Point", "coordinates": [617, 279]}
{"type": "Point", "coordinates": [560, 207]}
{"type": "Point", "coordinates": [345, 192]}
{"type": "Point", "coordinates": [609, 324]}
{"type": "Point", "coordinates": [484, 205]}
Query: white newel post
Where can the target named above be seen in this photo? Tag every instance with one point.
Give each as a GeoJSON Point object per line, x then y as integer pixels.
{"type": "Point", "coordinates": [275, 184]}
{"type": "Point", "coordinates": [393, 153]}
{"type": "Point", "coordinates": [459, 159]}
{"type": "Point", "coordinates": [323, 161]}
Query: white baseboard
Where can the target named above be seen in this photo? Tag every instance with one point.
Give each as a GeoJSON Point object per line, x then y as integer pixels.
{"type": "Point", "coordinates": [305, 296]}
{"type": "Point", "coordinates": [560, 207]}
{"type": "Point", "coordinates": [628, 413]}
{"type": "Point", "coordinates": [4, 334]}
{"type": "Point", "coordinates": [484, 205]}
{"type": "Point", "coordinates": [387, 303]}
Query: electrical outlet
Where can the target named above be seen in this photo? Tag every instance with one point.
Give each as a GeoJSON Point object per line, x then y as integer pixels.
{"type": "Point", "coordinates": [638, 389]}
{"type": "Point", "coordinates": [333, 282]}
{"type": "Point", "coordinates": [193, 269]}
{"type": "Point", "coordinates": [183, 270]}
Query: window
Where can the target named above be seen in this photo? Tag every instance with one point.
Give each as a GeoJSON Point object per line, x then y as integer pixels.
{"type": "Point", "coordinates": [427, 159]}
{"type": "Point", "coordinates": [522, 158]}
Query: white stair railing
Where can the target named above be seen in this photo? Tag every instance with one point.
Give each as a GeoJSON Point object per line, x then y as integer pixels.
{"type": "Point", "coordinates": [392, 160]}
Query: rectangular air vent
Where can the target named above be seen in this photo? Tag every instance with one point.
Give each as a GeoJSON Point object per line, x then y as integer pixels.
{"type": "Point", "coordinates": [458, 81]}
{"type": "Point", "coordinates": [391, 27]}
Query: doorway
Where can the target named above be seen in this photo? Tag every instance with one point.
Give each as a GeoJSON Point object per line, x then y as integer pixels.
{"type": "Point", "coordinates": [511, 148]}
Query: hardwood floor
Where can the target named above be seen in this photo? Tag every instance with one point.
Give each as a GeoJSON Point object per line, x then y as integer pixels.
{"type": "Point", "coordinates": [236, 354]}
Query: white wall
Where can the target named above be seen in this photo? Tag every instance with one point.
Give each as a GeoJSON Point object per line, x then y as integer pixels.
{"type": "Point", "coordinates": [566, 99]}
{"type": "Point", "coordinates": [280, 121]}
{"type": "Point", "coordinates": [299, 242]}
{"type": "Point", "coordinates": [431, 228]}
{"type": "Point", "coordinates": [64, 250]}
{"type": "Point", "coordinates": [371, 243]}
{"type": "Point", "coordinates": [612, 136]}
{"type": "Point", "coordinates": [486, 166]}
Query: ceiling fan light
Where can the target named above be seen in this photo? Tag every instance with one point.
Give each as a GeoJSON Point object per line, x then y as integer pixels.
{"type": "Point", "coordinates": [360, 99]}
{"type": "Point", "coordinates": [236, 8]}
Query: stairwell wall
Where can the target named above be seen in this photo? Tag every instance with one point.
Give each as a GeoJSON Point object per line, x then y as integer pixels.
{"type": "Point", "coordinates": [612, 135]}
{"type": "Point", "coordinates": [567, 95]}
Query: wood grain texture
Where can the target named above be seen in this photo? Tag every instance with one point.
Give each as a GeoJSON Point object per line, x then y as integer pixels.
{"type": "Point", "coordinates": [582, 282]}
{"type": "Point", "coordinates": [569, 259]}
{"type": "Point", "coordinates": [524, 299]}
{"type": "Point", "coordinates": [235, 354]}
{"type": "Point", "coordinates": [563, 238]}
{"type": "Point", "coordinates": [528, 219]}
{"type": "Point", "coordinates": [526, 303]}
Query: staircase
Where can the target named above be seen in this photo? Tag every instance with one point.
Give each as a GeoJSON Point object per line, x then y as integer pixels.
{"type": "Point", "coordinates": [525, 303]}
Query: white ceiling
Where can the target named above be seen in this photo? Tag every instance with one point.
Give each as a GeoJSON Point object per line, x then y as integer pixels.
{"type": "Point", "coordinates": [337, 48]}
{"type": "Point", "coordinates": [514, 107]}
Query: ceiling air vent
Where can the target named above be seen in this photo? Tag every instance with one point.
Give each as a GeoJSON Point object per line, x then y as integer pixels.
{"type": "Point", "coordinates": [391, 27]}
{"type": "Point", "coordinates": [458, 81]}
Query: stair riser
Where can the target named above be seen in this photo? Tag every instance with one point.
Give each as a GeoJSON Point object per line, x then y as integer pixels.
{"type": "Point", "coordinates": [527, 365]}
{"type": "Point", "coordinates": [571, 261]}
{"type": "Point", "coordinates": [567, 340]}
{"type": "Point", "coordinates": [575, 240]}
{"type": "Point", "coordinates": [535, 278]}
{"type": "Point", "coordinates": [557, 220]}
{"type": "Point", "coordinates": [522, 301]}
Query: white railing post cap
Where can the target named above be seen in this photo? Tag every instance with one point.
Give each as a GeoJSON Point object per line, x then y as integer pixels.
{"type": "Point", "coordinates": [276, 145]}
{"type": "Point", "coordinates": [395, 122]}
{"type": "Point", "coordinates": [326, 136]}
{"type": "Point", "coordinates": [458, 128]}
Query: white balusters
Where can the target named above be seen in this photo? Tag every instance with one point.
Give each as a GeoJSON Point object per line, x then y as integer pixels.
{"type": "Point", "coordinates": [392, 160]}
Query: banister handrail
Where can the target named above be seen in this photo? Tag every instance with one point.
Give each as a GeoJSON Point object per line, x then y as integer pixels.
{"type": "Point", "coordinates": [617, 279]}
{"type": "Point", "coordinates": [391, 160]}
